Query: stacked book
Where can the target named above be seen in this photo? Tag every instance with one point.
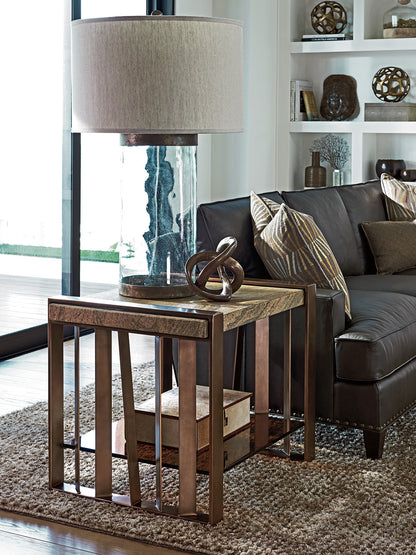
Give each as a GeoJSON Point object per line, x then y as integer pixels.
{"type": "Point", "coordinates": [236, 416]}
{"type": "Point", "coordinates": [302, 101]}
{"type": "Point", "coordinates": [332, 36]}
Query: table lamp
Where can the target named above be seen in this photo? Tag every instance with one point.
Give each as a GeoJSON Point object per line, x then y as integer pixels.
{"type": "Point", "coordinates": [158, 81]}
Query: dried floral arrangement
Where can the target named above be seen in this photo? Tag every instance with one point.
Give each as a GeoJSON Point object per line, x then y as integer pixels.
{"type": "Point", "coordinates": [333, 149]}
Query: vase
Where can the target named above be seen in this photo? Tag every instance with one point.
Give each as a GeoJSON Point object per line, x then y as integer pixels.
{"type": "Point", "coordinates": [339, 98]}
{"type": "Point", "coordinates": [408, 175]}
{"type": "Point", "coordinates": [158, 234]}
{"type": "Point", "coordinates": [315, 175]}
{"type": "Point", "coordinates": [392, 167]}
{"type": "Point", "coordinates": [337, 178]}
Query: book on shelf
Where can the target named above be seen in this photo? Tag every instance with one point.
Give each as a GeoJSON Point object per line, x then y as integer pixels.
{"type": "Point", "coordinates": [236, 416]}
{"type": "Point", "coordinates": [310, 106]}
{"type": "Point", "coordinates": [338, 36]}
{"type": "Point", "coordinates": [297, 103]}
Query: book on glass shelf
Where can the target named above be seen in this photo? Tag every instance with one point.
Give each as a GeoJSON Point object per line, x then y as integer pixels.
{"type": "Point", "coordinates": [310, 106]}
{"type": "Point", "coordinates": [236, 416]}
{"type": "Point", "coordinates": [297, 103]}
{"type": "Point", "coordinates": [338, 36]}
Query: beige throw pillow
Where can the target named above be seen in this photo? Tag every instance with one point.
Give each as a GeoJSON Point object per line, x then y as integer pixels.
{"type": "Point", "coordinates": [400, 198]}
{"type": "Point", "coordinates": [293, 248]}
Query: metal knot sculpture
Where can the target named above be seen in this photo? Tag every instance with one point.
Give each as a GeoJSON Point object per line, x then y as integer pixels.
{"type": "Point", "coordinates": [219, 261]}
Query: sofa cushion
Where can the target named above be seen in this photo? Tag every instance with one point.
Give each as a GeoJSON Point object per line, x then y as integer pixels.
{"type": "Point", "coordinates": [410, 272]}
{"type": "Point", "coordinates": [217, 220]}
{"type": "Point", "coordinates": [393, 245]}
{"type": "Point", "coordinates": [292, 247]}
{"type": "Point", "coordinates": [400, 198]}
{"type": "Point", "coordinates": [330, 215]}
{"type": "Point", "coordinates": [364, 202]}
{"type": "Point", "coordinates": [402, 283]}
{"type": "Point", "coordinates": [381, 337]}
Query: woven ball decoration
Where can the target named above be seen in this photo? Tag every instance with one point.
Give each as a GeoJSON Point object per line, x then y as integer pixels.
{"type": "Point", "coordinates": [328, 18]}
{"type": "Point", "coordinates": [391, 84]}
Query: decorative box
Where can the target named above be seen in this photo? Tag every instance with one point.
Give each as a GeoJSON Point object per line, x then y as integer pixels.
{"type": "Point", "coordinates": [390, 111]}
{"type": "Point", "coordinates": [236, 447]}
{"type": "Point", "coordinates": [236, 416]}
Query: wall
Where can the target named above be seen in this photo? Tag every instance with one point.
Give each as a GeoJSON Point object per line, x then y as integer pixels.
{"type": "Point", "coordinates": [231, 165]}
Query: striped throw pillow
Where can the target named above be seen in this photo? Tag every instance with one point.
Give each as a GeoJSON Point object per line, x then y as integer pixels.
{"type": "Point", "coordinates": [400, 198]}
{"type": "Point", "coordinates": [293, 248]}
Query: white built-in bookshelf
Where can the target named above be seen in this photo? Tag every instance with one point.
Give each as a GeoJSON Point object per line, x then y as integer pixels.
{"type": "Point", "coordinates": [361, 58]}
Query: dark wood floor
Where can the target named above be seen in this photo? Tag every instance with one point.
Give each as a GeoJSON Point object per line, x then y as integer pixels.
{"type": "Point", "coordinates": [23, 300]}
{"type": "Point", "coordinates": [23, 381]}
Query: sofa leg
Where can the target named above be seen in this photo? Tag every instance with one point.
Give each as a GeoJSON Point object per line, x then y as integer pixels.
{"type": "Point", "coordinates": [374, 443]}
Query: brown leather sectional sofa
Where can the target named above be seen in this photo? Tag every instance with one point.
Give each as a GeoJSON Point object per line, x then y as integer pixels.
{"type": "Point", "coordinates": [366, 367]}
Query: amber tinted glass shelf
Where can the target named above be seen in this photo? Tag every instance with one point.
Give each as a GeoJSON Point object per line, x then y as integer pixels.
{"type": "Point", "coordinates": [262, 432]}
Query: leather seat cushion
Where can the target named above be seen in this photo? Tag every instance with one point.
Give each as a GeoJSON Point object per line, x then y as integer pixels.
{"type": "Point", "coordinates": [395, 283]}
{"type": "Point", "coordinates": [381, 337]}
{"type": "Point", "coordinates": [411, 272]}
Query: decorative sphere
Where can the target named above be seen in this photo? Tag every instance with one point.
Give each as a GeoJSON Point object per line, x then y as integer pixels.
{"type": "Point", "coordinates": [391, 84]}
{"type": "Point", "coordinates": [328, 18]}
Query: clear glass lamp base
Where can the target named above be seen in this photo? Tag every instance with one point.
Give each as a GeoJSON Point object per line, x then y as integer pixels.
{"type": "Point", "coordinates": [158, 221]}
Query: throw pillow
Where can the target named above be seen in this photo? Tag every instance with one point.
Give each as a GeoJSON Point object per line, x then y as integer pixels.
{"type": "Point", "coordinates": [293, 248]}
{"type": "Point", "coordinates": [400, 198]}
{"type": "Point", "coordinates": [393, 245]}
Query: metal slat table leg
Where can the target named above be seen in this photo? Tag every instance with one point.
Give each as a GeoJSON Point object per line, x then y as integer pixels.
{"type": "Point", "coordinates": [56, 405]}
{"type": "Point", "coordinates": [76, 410]}
{"type": "Point", "coordinates": [261, 357]}
{"type": "Point", "coordinates": [287, 378]}
{"type": "Point", "coordinates": [164, 360]}
{"type": "Point", "coordinates": [309, 374]}
{"type": "Point", "coordinates": [129, 417]}
{"type": "Point", "coordinates": [216, 451]}
{"type": "Point", "coordinates": [159, 372]}
{"type": "Point", "coordinates": [187, 427]}
{"type": "Point", "coordinates": [103, 402]}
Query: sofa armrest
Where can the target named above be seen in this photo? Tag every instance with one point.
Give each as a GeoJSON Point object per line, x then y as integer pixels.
{"type": "Point", "coordinates": [330, 310]}
{"type": "Point", "coordinates": [330, 321]}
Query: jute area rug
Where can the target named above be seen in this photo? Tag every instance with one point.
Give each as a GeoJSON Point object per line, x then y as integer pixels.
{"type": "Point", "coordinates": [340, 503]}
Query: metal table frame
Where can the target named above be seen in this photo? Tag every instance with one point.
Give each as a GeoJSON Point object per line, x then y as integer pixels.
{"type": "Point", "coordinates": [165, 322]}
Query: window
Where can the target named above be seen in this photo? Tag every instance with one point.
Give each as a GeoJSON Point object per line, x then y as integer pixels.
{"type": "Point", "coordinates": [31, 106]}
{"type": "Point", "coordinates": [100, 179]}
{"type": "Point", "coordinates": [36, 219]}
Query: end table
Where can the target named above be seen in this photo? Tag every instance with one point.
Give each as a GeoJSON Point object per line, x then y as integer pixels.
{"type": "Point", "coordinates": [189, 320]}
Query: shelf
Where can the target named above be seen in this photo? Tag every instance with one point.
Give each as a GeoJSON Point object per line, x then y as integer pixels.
{"type": "Point", "coordinates": [355, 47]}
{"type": "Point", "coordinates": [262, 432]}
{"type": "Point", "coordinates": [359, 58]}
{"type": "Point", "coordinates": [356, 126]}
